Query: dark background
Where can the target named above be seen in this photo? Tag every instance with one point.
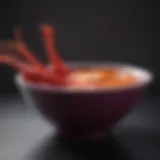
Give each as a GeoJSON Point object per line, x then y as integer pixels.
{"type": "Point", "coordinates": [113, 30]}
{"type": "Point", "coordinates": [117, 30]}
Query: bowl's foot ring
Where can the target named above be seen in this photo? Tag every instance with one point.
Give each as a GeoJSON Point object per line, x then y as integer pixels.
{"type": "Point", "coordinates": [84, 136]}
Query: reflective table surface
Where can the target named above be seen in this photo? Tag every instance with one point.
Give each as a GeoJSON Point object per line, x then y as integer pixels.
{"type": "Point", "coordinates": [25, 135]}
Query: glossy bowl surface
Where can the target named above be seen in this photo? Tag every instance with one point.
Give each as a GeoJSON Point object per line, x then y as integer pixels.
{"type": "Point", "coordinates": [86, 113]}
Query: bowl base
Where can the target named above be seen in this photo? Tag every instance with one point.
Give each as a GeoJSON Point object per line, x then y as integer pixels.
{"type": "Point", "coordinates": [84, 136]}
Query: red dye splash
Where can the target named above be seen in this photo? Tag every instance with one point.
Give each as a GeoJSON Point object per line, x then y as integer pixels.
{"type": "Point", "coordinates": [34, 70]}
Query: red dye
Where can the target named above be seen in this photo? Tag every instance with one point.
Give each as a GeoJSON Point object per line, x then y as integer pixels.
{"type": "Point", "coordinates": [34, 70]}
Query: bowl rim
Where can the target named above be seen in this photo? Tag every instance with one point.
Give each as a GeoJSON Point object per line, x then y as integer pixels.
{"type": "Point", "coordinates": [147, 78]}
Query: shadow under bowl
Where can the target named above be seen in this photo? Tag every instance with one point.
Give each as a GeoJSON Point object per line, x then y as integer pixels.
{"type": "Point", "coordinates": [83, 113]}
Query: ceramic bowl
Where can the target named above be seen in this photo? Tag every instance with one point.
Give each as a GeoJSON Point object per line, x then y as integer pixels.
{"type": "Point", "coordinates": [86, 113]}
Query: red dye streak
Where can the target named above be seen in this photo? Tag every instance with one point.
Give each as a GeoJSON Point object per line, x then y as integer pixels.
{"type": "Point", "coordinates": [35, 71]}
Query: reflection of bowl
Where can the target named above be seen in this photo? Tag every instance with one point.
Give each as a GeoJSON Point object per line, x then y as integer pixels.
{"type": "Point", "coordinates": [82, 113]}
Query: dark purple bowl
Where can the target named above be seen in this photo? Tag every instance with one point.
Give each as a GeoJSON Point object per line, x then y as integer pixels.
{"type": "Point", "coordinates": [86, 113]}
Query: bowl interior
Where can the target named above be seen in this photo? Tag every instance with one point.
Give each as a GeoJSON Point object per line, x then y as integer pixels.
{"type": "Point", "coordinates": [144, 78]}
